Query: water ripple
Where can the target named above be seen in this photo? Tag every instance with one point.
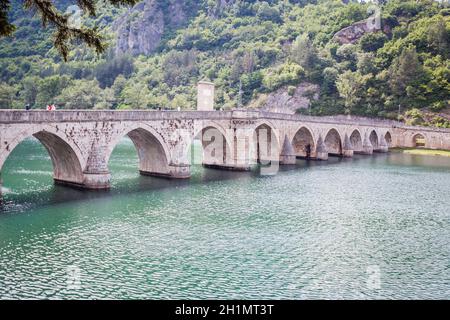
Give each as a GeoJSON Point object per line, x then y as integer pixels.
{"type": "Point", "coordinates": [313, 232]}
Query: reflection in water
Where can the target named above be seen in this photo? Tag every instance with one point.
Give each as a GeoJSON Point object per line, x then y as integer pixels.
{"type": "Point", "coordinates": [315, 230]}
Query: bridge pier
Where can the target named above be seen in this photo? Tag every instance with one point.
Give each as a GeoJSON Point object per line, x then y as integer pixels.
{"type": "Point", "coordinates": [347, 150]}
{"type": "Point", "coordinates": [94, 181]}
{"type": "Point", "coordinates": [321, 150]}
{"type": "Point", "coordinates": [347, 153]}
{"type": "Point", "coordinates": [228, 165]}
{"type": "Point", "coordinates": [287, 156]}
{"type": "Point", "coordinates": [180, 171]}
{"type": "Point", "coordinates": [175, 171]}
{"type": "Point", "coordinates": [383, 145]}
{"type": "Point", "coordinates": [367, 147]}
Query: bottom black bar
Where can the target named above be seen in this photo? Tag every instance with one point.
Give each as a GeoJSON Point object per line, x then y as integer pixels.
{"type": "Point", "coordinates": [216, 309]}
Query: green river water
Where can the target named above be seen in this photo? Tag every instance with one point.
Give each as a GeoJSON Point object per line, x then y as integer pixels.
{"type": "Point", "coordinates": [368, 227]}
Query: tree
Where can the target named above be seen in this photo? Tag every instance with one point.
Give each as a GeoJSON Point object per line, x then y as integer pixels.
{"type": "Point", "coordinates": [351, 86]}
{"type": "Point", "coordinates": [439, 37]}
{"type": "Point", "coordinates": [250, 82]}
{"type": "Point", "coordinates": [180, 67]}
{"type": "Point", "coordinates": [66, 31]}
{"type": "Point", "coordinates": [136, 95]}
{"type": "Point", "coordinates": [438, 84]}
{"type": "Point", "coordinates": [286, 74]}
{"type": "Point", "coordinates": [107, 71]}
{"type": "Point", "coordinates": [117, 87]}
{"type": "Point", "coordinates": [372, 41]}
{"type": "Point", "coordinates": [304, 53]}
{"type": "Point", "coordinates": [348, 55]}
{"type": "Point", "coordinates": [329, 76]}
{"type": "Point", "coordinates": [366, 63]}
{"type": "Point", "coordinates": [30, 89]}
{"type": "Point", "coordinates": [181, 101]}
{"type": "Point", "coordinates": [81, 94]}
{"type": "Point", "coordinates": [406, 74]}
{"type": "Point", "coordinates": [7, 95]}
{"type": "Point", "coordinates": [266, 12]}
{"type": "Point", "coordinates": [49, 88]}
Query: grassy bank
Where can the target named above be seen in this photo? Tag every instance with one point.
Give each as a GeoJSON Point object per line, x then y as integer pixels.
{"type": "Point", "coordinates": [425, 152]}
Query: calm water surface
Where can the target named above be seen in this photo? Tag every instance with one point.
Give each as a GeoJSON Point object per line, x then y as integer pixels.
{"type": "Point", "coordinates": [368, 227]}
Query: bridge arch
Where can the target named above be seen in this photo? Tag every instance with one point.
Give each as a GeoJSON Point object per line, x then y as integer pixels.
{"type": "Point", "coordinates": [302, 138]}
{"type": "Point", "coordinates": [153, 152]}
{"type": "Point", "coordinates": [216, 147]}
{"type": "Point", "coordinates": [356, 141]}
{"type": "Point", "coordinates": [66, 157]}
{"type": "Point", "coordinates": [266, 142]}
{"type": "Point", "coordinates": [419, 140]}
{"type": "Point", "coordinates": [333, 142]}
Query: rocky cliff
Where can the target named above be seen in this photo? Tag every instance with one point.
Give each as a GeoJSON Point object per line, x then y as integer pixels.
{"type": "Point", "coordinates": [353, 33]}
{"type": "Point", "coordinates": [141, 29]}
{"type": "Point", "coordinates": [288, 99]}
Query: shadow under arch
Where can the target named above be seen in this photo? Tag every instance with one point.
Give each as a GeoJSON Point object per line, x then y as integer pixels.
{"type": "Point", "coordinates": [374, 140]}
{"type": "Point", "coordinates": [388, 138]}
{"type": "Point", "coordinates": [333, 143]}
{"type": "Point", "coordinates": [419, 140]}
{"type": "Point", "coordinates": [153, 154]}
{"type": "Point", "coordinates": [356, 141]}
{"type": "Point", "coordinates": [302, 139]}
{"type": "Point", "coordinates": [66, 159]}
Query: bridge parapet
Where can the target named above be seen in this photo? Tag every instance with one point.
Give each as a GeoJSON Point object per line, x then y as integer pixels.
{"type": "Point", "coordinates": [39, 116]}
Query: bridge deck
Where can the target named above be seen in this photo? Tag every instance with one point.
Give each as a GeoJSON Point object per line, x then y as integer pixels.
{"type": "Point", "coordinates": [40, 116]}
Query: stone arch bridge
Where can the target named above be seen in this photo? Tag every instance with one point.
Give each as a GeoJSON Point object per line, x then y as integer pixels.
{"type": "Point", "coordinates": [80, 142]}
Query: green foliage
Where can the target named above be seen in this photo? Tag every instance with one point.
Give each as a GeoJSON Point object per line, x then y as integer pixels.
{"type": "Point", "coordinates": [7, 95]}
{"type": "Point", "coordinates": [136, 96]}
{"type": "Point", "coordinates": [440, 122]}
{"type": "Point", "coordinates": [106, 72]}
{"type": "Point", "coordinates": [351, 86]}
{"type": "Point", "coordinates": [415, 117]}
{"type": "Point", "coordinates": [406, 76]}
{"type": "Point", "coordinates": [248, 49]}
{"type": "Point", "coordinates": [329, 76]}
{"type": "Point", "coordinates": [82, 94]}
{"type": "Point", "coordinates": [179, 67]}
{"type": "Point", "coordinates": [289, 73]}
{"type": "Point", "coordinates": [372, 41]}
{"type": "Point", "coordinates": [250, 84]}
{"type": "Point", "coordinates": [304, 53]}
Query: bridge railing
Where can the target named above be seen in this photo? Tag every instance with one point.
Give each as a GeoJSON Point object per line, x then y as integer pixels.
{"type": "Point", "coordinates": [38, 116]}
{"type": "Point", "coordinates": [17, 116]}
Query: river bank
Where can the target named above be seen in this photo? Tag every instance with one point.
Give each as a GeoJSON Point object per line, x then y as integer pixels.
{"type": "Point", "coordinates": [422, 152]}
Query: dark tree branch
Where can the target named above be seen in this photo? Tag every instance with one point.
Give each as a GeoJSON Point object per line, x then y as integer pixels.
{"type": "Point", "coordinates": [6, 29]}
{"type": "Point", "coordinates": [64, 34]}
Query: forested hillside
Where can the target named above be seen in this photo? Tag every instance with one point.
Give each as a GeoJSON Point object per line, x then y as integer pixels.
{"type": "Point", "coordinates": [271, 54]}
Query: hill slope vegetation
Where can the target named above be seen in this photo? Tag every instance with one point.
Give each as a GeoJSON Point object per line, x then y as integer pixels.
{"type": "Point", "coordinates": [254, 51]}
